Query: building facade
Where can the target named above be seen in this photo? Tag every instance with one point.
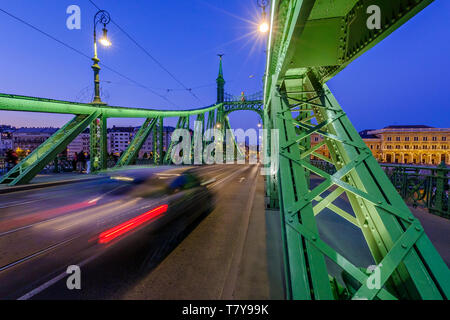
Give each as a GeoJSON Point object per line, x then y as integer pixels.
{"type": "Point", "coordinates": [408, 144]}
{"type": "Point", "coordinates": [28, 139]}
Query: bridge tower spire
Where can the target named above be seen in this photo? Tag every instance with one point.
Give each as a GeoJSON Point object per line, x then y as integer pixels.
{"type": "Point", "coordinates": [220, 82]}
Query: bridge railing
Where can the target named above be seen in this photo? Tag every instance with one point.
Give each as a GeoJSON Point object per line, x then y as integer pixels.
{"type": "Point", "coordinates": [422, 186]}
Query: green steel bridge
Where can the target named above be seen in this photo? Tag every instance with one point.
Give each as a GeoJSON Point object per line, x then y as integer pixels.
{"type": "Point", "coordinates": [309, 43]}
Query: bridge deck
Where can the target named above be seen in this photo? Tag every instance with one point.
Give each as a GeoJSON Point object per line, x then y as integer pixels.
{"type": "Point", "coordinates": [234, 252]}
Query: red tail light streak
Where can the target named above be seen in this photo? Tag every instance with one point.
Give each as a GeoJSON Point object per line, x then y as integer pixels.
{"type": "Point", "coordinates": [122, 228]}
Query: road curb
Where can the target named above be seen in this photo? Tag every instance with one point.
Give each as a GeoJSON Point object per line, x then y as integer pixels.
{"type": "Point", "coordinates": [43, 185]}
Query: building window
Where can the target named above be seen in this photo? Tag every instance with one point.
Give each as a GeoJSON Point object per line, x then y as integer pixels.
{"type": "Point", "coordinates": [406, 147]}
{"type": "Point", "coordinates": [397, 147]}
{"type": "Point", "coordinates": [444, 138]}
{"type": "Point", "coordinates": [434, 138]}
{"type": "Point", "coordinates": [416, 146]}
{"type": "Point", "coordinates": [424, 147]}
{"type": "Point", "coordinates": [433, 146]}
{"type": "Point", "coordinates": [389, 138]}
{"type": "Point", "coordinates": [416, 138]}
{"type": "Point", "coordinates": [397, 138]}
{"type": "Point", "coordinates": [444, 147]}
{"type": "Point", "coordinates": [424, 139]}
{"type": "Point", "coordinates": [371, 146]}
{"type": "Point", "coordinates": [406, 138]}
{"type": "Point", "coordinates": [389, 147]}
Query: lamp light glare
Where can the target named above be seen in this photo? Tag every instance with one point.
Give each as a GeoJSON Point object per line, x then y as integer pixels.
{"type": "Point", "coordinates": [263, 27]}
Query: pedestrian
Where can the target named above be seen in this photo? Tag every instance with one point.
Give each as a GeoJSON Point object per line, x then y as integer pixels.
{"type": "Point", "coordinates": [88, 167]}
{"type": "Point", "coordinates": [74, 162]}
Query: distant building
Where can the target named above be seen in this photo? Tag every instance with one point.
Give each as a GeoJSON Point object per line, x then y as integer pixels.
{"type": "Point", "coordinates": [405, 144]}
{"type": "Point", "coordinates": [147, 147]}
{"type": "Point", "coordinates": [6, 142]}
{"type": "Point", "coordinates": [79, 144]}
{"type": "Point", "coordinates": [120, 138]}
{"type": "Point", "coordinates": [28, 139]}
{"type": "Point", "coordinates": [409, 144]}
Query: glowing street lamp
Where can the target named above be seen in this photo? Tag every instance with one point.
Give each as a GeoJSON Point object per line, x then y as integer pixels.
{"type": "Point", "coordinates": [104, 40]}
{"type": "Point", "coordinates": [103, 17]}
{"type": "Point", "coordinates": [263, 26]}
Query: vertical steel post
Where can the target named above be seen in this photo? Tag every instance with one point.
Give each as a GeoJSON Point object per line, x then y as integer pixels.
{"type": "Point", "coordinates": [160, 129]}
{"type": "Point", "coordinates": [155, 146]}
{"type": "Point", "coordinates": [103, 143]}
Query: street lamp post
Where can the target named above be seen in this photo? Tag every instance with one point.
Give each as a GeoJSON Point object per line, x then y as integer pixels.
{"type": "Point", "coordinates": [103, 17]}
{"type": "Point", "coordinates": [264, 26]}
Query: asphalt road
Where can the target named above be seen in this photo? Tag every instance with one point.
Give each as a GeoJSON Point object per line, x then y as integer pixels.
{"type": "Point", "coordinates": [43, 231]}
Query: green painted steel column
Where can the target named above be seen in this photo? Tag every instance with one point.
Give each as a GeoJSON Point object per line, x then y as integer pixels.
{"type": "Point", "coordinates": [155, 148]}
{"type": "Point", "coordinates": [103, 143]}
{"type": "Point", "coordinates": [94, 145]}
{"type": "Point", "coordinates": [161, 130]}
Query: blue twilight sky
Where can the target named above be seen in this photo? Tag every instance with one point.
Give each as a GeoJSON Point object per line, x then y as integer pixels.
{"type": "Point", "coordinates": [400, 81]}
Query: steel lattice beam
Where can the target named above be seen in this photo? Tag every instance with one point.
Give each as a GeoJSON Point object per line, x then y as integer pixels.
{"type": "Point", "coordinates": [130, 154]}
{"type": "Point", "coordinates": [24, 171]}
{"type": "Point", "coordinates": [314, 41]}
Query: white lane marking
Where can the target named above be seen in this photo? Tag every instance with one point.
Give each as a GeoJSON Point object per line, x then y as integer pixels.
{"type": "Point", "coordinates": [52, 281]}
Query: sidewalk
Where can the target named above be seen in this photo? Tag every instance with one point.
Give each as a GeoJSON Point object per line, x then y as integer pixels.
{"type": "Point", "coordinates": [437, 229]}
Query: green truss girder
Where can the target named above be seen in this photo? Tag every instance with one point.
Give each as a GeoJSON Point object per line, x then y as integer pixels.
{"type": "Point", "coordinates": [183, 123]}
{"type": "Point", "coordinates": [33, 104]}
{"type": "Point", "coordinates": [98, 144]}
{"type": "Point", "coordinates": [409, 265]}
{"type": "Point", "coordinates": [252, 105]}
{"type": "Point", "coordinates": [327, 35]}
{"type": "Point", "coordinates": [24, 171]}
{"type": "Point", "coordinates": [130, 154]}
{"type": "Point", "coordinates": [309, 42]}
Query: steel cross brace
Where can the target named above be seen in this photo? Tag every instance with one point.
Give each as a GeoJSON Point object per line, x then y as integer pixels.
{"type": "Point", "coordinates": [130, 154]}
{"type": "Point", "coordinates": [24, 171]}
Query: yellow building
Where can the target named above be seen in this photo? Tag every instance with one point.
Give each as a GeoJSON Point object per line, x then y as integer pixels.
{"type": "Point", "coordinates": [409, 144]}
